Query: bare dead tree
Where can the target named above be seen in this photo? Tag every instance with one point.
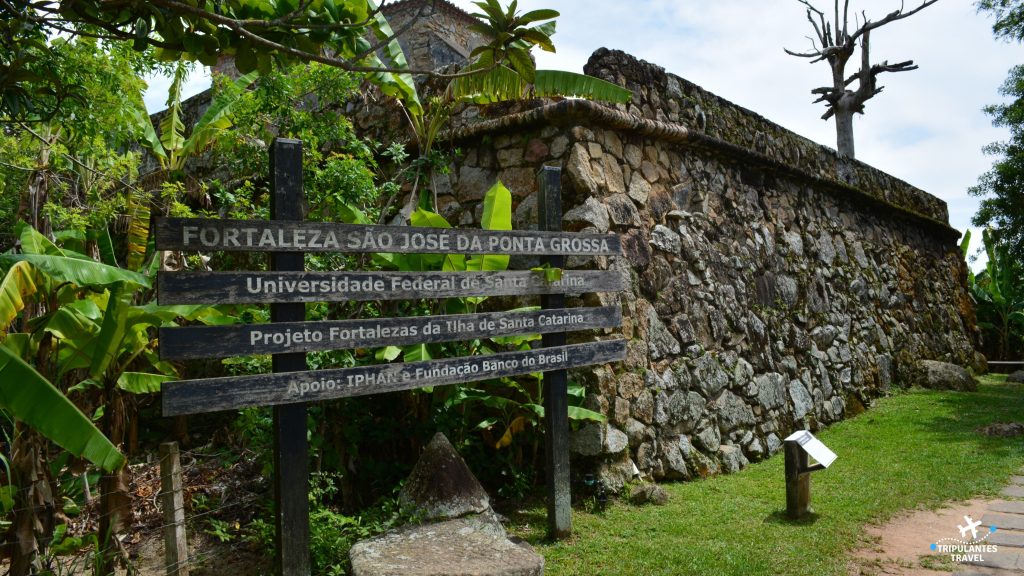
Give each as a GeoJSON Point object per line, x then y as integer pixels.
{"type": "Point", "coordinates": [835, 44]}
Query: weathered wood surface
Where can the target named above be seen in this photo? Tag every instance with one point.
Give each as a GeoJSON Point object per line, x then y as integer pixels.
{"type": "Point", "coordinates": [198, 234]}
{"type": "Point", "coordinates": [291, 451]}
{"type": "Point", "coordinates": [268, 287]}
{"type": "Point", "coordinates": [556, 384]}
{"type": "Point", "coordinates": [209, 395]}
{"type": "Point", "coordinates": [172, 497]}
{"type": "Point", "coordinates": [798, 481]}
{"type": "Point", "coordinates": [223, 341]}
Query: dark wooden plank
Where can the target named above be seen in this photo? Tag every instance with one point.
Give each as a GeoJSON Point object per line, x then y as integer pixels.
{"type": "Point", "coordinates": [198, 234]}
{"type": "Point", "coordinates": [556, 397]}
{"type": "Point", "coordinates": [267, 287]}
{"type": "Point", "coordinates": [291, 453]}
{"type": "Point", "coordinates": [213, 394]}
{"type": "Point", "coordinates": [223, 341]}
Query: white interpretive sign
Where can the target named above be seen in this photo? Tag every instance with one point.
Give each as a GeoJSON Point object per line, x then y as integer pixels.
{"type": "Point", "coordinates": [814, 447]}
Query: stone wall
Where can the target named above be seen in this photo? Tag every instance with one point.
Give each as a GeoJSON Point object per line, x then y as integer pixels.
{"type": "Point", "coordinates": [440, 35]}
{"type": "Point", "coordinates": [774, 285]}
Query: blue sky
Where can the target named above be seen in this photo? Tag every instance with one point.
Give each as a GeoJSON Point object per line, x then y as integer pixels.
{"type": "Point", "coordinates": [927, 127]}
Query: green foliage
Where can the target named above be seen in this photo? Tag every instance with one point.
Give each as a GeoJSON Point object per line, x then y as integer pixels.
{"type": "Point", "coordinates": [171, 146]}
{"type": "Point", "coordinates": [1009, 18]}
{"type": "Point", "coordinates": [82, 150]}
{"type": "Point", "coordinates": [998, 292]}
{"type": "Point", "coordinates": [515, 34]}
{"type": "Point", "coordinates": [504, 84]}
{"type": "Point", "coordinates": [28, 396]}
{"type": "Point", "coordinates": [339, 169]}
{"type": "Point", "coordinates": [287, 32]}
{"type": "Point", "coordinates": [1002, 204]}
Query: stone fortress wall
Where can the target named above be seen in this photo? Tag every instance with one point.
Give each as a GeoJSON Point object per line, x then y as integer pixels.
{"type": "Point", "coordinates": [774, 285]}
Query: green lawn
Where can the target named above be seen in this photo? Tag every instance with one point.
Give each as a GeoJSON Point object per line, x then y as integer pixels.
{"type": "Point", "coordinates": [916, 449]}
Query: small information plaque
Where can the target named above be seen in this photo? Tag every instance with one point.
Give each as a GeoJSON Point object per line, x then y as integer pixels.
{"type": "Point", "coordinates": [813, 447]}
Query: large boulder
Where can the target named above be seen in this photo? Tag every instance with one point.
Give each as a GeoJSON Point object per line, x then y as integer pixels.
{"type": "Point", "coordinates": [945, 376]}
{"type": "Point", "coordinates": [441, 486]}
{"type": "Point", "coordinates": [1015, 377]}
{"type": "Point", "coordinates": [471, 546]}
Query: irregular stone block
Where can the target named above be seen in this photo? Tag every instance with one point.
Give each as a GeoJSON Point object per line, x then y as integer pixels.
{"type": "Point", "coordinates": [664, 239]}
{"type": "Point", "coordinates": [590, 213]}
{"type": "Point", "coordinates": [732, 458]}
{"type": "Point", "coordinates": [710, 376]}
{"type": "Point", "coordinates": [648, 493]}
{"type": "Point", "coordinates": [464, 546]}
{"type": "Point", "coordinates": [441, 486]}
{"type": "Point", "coordinates": [802, 401]}
{"type": "Point", "coordinates": [945, 376]}
{"type": "Point", "coordinates": [732, 412]}
{"type": "Point", "coordinates": [622, 211]}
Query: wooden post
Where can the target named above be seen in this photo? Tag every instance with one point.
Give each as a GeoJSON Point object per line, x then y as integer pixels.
{"type": "Point", "coordinates": [175, 544]}
{"type": "Point", "coordinates": [556, 400]}
{"type": "Point", "coordinates": [798, 480]}
{"type": "Point", "coordinates": [291, 458]}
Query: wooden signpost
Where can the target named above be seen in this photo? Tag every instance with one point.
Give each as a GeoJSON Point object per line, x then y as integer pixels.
{"type": "Point", "coordinates": [289, 337]}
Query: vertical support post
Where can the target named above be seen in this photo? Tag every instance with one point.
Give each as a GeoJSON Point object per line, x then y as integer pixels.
{"type": "Point", "coordinates": [291, 458]}
{"type": "Point", "coordinates": [175, 544]}
{"type": "Point", "coordinates": [556, 400]}
{"type": "Point", "coordinates": [798, 481]}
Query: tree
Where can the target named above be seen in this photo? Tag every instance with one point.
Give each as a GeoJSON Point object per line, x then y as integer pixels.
{"type": "Point", "coordinates": [486, 79]}
{"type": "Point", "coordinates": [998, 291]}
{"type": "Point", "coordinates": [836, 44]}
{"type": "Point", "coordinates": [258, 34]}
{"type": "Point", "coordinates": [1009, 24]}
{"type": "Point", "coordinates": [1002, 187]}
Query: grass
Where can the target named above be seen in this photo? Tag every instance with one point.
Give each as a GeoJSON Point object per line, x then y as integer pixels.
{"type": "Point", "coordinates": [916, 449]}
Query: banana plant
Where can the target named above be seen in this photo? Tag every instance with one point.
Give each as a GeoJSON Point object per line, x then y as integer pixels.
{"type": "Point", "coordinates": [999, 293]}
{"type": "Point", "coordinates": [47, 273]}
{"type": "Point", "coordinates": [95, 343]}
{"type": "Point", "coordinates": [171, 147]}
{"type": "Point", "coordinates": [500, 71]}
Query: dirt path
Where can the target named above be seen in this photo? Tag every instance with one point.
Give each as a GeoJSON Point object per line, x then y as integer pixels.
{"type": "Point", "coordinates": [914, 543]}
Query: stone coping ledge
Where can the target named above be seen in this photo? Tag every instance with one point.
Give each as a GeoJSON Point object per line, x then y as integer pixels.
{"type": "Point", "coordinates": [566, 112]}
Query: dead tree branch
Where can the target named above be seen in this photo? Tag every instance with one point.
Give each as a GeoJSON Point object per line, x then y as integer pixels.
{"type": "Point", "coordinates": [833, 42]}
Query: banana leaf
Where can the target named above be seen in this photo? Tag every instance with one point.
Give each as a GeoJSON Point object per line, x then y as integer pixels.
{"type": "Point", "coordinates": [85, 273]}
{"type": "Point", "coordinates": [401, 86]}
{"type": "Point", "coordinates": [497, 215]}
{"type": "Point", "coordinates": [141, 382]}
{"type": "Point", "coordinates": [34, 242]}
{"type": "Point", "coordinates": [503, 84]}
{"type": "Point", "coordinates": [172, 129]}
{"type": "Point", "coordinates": [20, 282]}
{"type": "Point", "coordinates": [217, 117]}
{"type": "Point", "coordinates": [31, 398]}
{"type": "Point", "coordinates": [138, 233]}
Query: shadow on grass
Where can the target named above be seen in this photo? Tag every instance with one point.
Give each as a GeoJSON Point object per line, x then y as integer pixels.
{"type": "Point", "coordinates": [969, 411]}
{"type": "Point", "coordinates": [779, 517]}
